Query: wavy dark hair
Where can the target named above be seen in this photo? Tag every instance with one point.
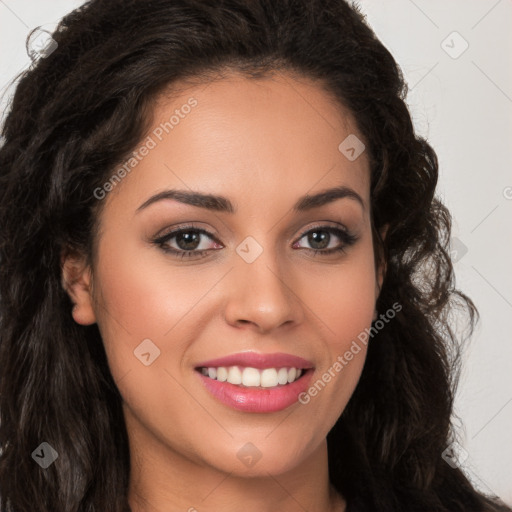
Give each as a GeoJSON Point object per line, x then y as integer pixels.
{"type": "Point", "coordinates": [83, 109]}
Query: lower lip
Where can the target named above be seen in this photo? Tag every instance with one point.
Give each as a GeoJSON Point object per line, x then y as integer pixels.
{"type": "Point", "coordinates": [249, 399]}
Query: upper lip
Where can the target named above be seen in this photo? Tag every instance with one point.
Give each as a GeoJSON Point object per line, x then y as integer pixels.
{"type": "Point", "coordinates": [258, 360]}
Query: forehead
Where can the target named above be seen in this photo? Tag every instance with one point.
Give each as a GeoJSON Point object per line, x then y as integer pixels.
{"type": "Point", "coordinates": [281, 134]}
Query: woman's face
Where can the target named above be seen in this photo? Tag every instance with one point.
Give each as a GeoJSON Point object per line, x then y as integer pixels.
{"type": "Point", "coordinates": [251, 283]}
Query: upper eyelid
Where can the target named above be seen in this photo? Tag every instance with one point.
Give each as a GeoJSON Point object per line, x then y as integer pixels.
{"type": "Point", "coordinates": [173, 232]}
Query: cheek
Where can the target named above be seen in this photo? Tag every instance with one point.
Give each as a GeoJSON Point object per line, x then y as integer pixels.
{"type": "Point", "coordinates": [137, 300]}
{"type": "Point", "coordinates": [343, 297]}
{"type": "Point", "coordinates": [344, 303]}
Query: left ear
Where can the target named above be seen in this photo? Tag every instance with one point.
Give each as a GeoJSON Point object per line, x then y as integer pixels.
{"type": "Point", "coordinates": [77, 281]}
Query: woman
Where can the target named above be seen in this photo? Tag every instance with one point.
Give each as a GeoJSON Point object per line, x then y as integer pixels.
{"type": "Point", "coordinates": [225, 278]}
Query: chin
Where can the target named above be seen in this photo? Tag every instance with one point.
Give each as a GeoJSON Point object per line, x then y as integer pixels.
{"type": "Point", "coordinates": [259, 459]}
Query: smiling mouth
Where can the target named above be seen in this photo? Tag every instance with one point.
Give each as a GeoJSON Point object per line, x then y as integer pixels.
{"type": "Point", "coordinates": [263, 378]}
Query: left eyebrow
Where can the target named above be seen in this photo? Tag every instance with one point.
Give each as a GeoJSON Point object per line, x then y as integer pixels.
{"type": "Point", "coordinates": [223, 204]}
{"type": "Point", "coordinates": [327, 196]}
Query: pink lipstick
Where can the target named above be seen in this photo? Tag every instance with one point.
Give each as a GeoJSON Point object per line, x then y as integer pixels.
{"type": "Point", "coordinates": [255, 382]}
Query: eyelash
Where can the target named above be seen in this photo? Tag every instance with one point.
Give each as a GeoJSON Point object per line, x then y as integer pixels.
{"type": "Point", "coordinates": [347, 240]}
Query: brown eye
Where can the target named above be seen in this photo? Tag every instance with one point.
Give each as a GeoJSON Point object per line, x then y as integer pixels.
{"type": "Point", "coordinates": [320, 238]}
{"type": "Point", "coordinates": [187, 242]}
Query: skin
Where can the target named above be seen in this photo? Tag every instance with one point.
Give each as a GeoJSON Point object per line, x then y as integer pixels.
{"type": "Point", "coordinates": [263, 144]}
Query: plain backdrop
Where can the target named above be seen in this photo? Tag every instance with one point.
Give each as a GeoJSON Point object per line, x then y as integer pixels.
{"type": "Point", "coordinates": [456, 56]}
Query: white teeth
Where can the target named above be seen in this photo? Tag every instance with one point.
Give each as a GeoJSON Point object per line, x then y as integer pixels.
{"type": "Point", "coordinates": [234, 375]}
{"type": "Point", "coordinates": [282, 376]}
{"type": "Point", "coordinates": [222, 374]}
{"type": "Point", "coordinates": [253, 377]}
{"type": "Point", "coordinates": [269, 378]}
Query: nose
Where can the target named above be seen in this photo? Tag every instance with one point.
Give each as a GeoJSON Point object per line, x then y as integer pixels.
{"type": "Point", "coordinates": [262, 294]}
